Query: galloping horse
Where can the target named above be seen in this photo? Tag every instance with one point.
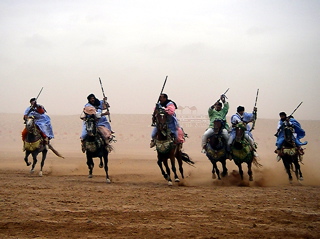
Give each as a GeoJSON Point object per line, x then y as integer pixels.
{"type": "Point", "coordinates": [34, 144]}
{"type": "Point", "coordinates": [167, 148]}
{"type": "Point", "coordinates": [242, 151]}
{"type": "Point", "coordinates": [290, 154]}
{"type": "Point", "coordinates": [216, 150]}
{"type": "Point", "coordinates": [96, 146]}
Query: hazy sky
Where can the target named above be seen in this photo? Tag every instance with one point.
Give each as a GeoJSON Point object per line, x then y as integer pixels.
{"type": "Point", "coordinates": [204, 47]}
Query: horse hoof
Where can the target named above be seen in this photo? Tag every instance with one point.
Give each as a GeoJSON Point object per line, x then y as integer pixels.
{"type": "Point", "coordinates": [214, 176]}
{"type": "Point", "coordinates": [90, 176]}
{"type": "Point", "coordinates": [250, 179]}
{"type": "Point", "coordinates": [108, 180]}
{"type": "Point", "coordinates": [301, 179]}
{"type": "Point", "coordinates": [169, 183]}
{"type": "Point", "coordinates": [100, 165]}
{"type": "Point", "coordinates": [32, 171]}
{"type": "Point", "coordinates": [177, 180]}
{"type": "Point", "coordinates": [40, 173]}
{"type": "Point", "coordinates": [28, 163]}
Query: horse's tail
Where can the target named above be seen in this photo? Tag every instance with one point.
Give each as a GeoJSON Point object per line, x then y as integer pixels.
{"type": "Point", "coordinates": [255, 162]}
{"type": "Point", "coordinates": [185, 157]}
{"type": "Point", "coordinates": [55, 151]}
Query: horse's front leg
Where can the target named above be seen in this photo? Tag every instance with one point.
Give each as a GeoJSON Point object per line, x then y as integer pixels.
{"type": "Point", "coordinates": [298, 169]}
{"type": "Point", "coordinates": [106, 169]}
{"type": "Point", "coordinates": [173, 167]}
{"type": "Point", "coordinates": [224, 168]}
{"type": "Point", "coordinates": [26, 158]}
{"type": "Point", "coordinates": [159, 162]}
{"type": "Point", "coordinates": [178, 156]}
{"type": "Point", "coordinates": [250, 171]}
{"type": "Point", "coordinates": [215, 170]}
{"type": "Point", "coordinates": [165, 162]}
{"type": "Point", "coordinates": [34, 157]}
{"type": "Point", "coordinates": [240, 170]}
{"type": "Point", "coordinates": [287, 168]}
{"type": "Point", "coordinates": [44, 155]}
{"type": "Point", "coordinates": [90, 165]}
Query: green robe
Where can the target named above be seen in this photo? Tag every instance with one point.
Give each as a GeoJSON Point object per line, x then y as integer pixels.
{"type": "Point", "coordinates": [219, 115]}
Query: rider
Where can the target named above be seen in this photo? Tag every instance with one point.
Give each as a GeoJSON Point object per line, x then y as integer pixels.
{"type": "Point", "coordinates": [169, 106]}
{"type": "Point", "coordinates": [246, 118]}
{"type": "Point", "coordinates": [96, 107]}
{"type": "Point", "coordinates": [216, 112]}
{"type": "Point", "coordinates": [41, 119]}
{"type": "Point", "coordinates": [299, 133]}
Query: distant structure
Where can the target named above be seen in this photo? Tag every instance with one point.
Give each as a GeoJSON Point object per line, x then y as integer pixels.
{"type": "Point", "coordinates": [181, 108]}
{"type": "Point", "coordinates": [193, 108]}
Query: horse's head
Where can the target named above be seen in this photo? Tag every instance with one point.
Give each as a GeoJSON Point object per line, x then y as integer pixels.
{"type": "Point", "coordinates": [160, 117]}
{"type": "Point", "coordinates": [240, 130]}
{"type": "Point", "coordinates": [288, 133]}
{"type": "Point", "coordinates": [91, 125]}
{"type": "Point", "coordinates": [217, 127]}
{"type": "Point", "coordinates": [30, 125]}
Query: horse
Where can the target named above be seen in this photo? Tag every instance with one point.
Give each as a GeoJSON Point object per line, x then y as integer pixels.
{"type": "Point", "coordinates": [290, 155]}
{"type": "Point", "coordinates": [95, 146]}
{"type": "Point", "coordinates": [242, 151]}
{"type": "Point", "coordinates": [34, 144]}
{"type": "Point", "coordinates": [216, 150]}
{"type": "Point", "coordinates": [168, 149]}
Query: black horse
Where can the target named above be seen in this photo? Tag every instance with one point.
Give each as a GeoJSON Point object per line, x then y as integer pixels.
{"type": "Point", "coordinates": [242, 151]}
{"type": "Point", "coordinates": [34, 144]}
{"type": "Point", "coordinates": [167, 148]}
{"type": "Point", "coordinates": [96, 146]}
{"type": "Point", "coordinates": [216, 150]}
{"type": "Point", "coordinates": [289, 154]}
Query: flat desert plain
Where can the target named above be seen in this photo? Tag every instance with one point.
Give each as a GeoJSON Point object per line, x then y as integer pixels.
{"type": "Point", "coordinates": [138, 203]}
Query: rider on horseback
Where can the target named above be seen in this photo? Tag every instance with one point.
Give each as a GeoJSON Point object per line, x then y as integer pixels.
{"type": "Point", "coordinates": [42, 120]}
{"type": "Point", "coordinates": [169, 107]}
{"type": "Point", "coordinates": [216, 112]}
{"type": "Point", "coordinates": [96, 107]}
{"type": "Point", "coordinates": [299, 133]}
{"type": "Point", "coordinates": [246, 118]}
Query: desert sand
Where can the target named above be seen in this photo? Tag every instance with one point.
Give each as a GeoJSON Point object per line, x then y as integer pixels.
{"type": "Point", "coordinates": [138, 203]}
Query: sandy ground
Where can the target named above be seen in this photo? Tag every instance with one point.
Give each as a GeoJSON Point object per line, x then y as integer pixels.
{"type": "Point", "coordinates": [65, 203]}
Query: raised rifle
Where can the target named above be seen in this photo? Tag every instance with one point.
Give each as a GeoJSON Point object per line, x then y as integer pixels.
{"type": "Point", "coordinates": [105, 100]}
{"type": "Point", "coordinates": [295, 109]}
{"type": "Point", "coordinates": [224, 94]}
{"type": "Point", "coordinates": [164, 83]}
{"type": "Point", "coordinates": [32, 108]}
{"type": "Point", "coordinates": [255, 112]}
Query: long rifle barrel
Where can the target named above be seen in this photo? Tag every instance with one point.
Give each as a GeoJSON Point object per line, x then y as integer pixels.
{"type": "Point", "coordinates": [224, 93]}
{"type": "Point", "coordinates": [164, 83]}
{"type": "Point", "coordinates": [106, 103]}
{"type": "Point", "coordinates": [296, 108]}
{"type": "Point", "coordinates": [36, 101]}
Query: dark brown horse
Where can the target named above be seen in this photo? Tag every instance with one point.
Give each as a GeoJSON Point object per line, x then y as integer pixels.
{"type": "Point", "coordinates": [34, 144]}
{"type": "Point", "coordinates": [216, 150]}
{"type": "Point", "coordinates": [167, 148]}
{"type": "Point", "coordinates": [290, 155]}
{"type": "Point", "coordinates": [242, 151]}
{"type": "Point", "coordinates": [96, 146]}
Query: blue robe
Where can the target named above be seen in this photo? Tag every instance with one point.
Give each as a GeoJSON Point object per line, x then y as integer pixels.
{"type": "Point", "coordinates": [300, 133]}
{"type": "Point", "coordinates": [43, 121]}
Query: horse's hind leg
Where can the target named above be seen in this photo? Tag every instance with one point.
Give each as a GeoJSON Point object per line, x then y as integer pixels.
{"type": "Point", "coordinates": [165, 162]}
{"type": "Point", "coordinates": [179, 159]}
{"type": "Point", "coordinates": [44, 155]}
{"type": "Point", "coordinates": [174, 170]}
{"type": "Point", "coordinates": [287, 168]}
{"type": "Point", "coordinates": [250, 171]}
{"type": "Point", "coordinates": [26, 158]}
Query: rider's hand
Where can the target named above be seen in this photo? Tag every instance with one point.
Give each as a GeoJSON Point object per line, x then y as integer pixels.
{"type": "Point", "coordinates": [223, 98]}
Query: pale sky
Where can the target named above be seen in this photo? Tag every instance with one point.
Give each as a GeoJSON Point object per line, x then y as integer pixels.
{"type": "Point", "coordinates": [204, 47]}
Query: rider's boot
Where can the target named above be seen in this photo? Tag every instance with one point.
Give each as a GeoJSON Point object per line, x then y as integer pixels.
{"type": "Point", "coordinates": [300, 151]}
{"type": "Point", "coordinates": [152, 143]}
{"type": "Point", "coordinates": [204, 149]}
